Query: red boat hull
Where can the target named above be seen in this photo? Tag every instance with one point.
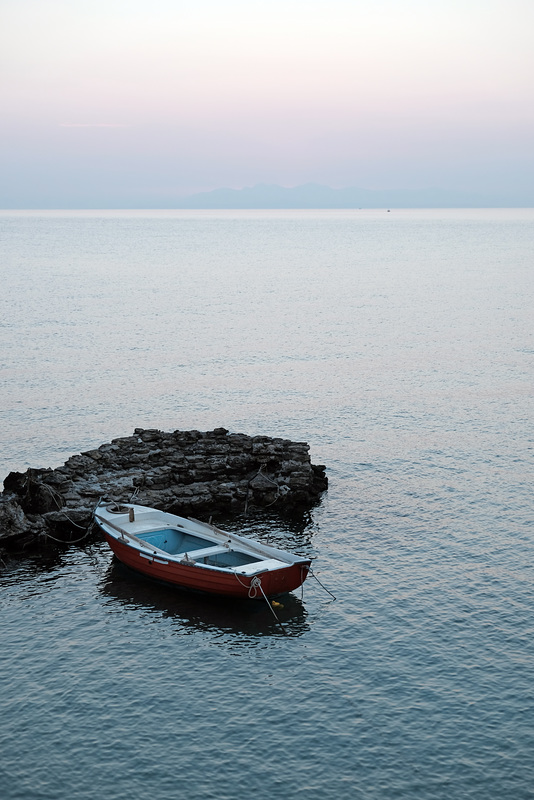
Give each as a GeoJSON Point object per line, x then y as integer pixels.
{"type": "Point", "coordinates": [211, 581]}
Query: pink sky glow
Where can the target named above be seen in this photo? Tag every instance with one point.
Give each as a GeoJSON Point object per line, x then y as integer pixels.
{"type": "Point", "coordinates": [128, 96]}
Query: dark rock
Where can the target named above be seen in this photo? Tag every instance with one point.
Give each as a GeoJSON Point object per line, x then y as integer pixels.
{"type": "Point", "coordinates": [186, 472]}
{"type": "Point", "coordinates": [262, 483]}
{"type": "Point", "coordinates": [17, 529]}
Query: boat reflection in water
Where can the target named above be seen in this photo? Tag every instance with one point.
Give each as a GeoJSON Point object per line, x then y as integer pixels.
{"type": "Point", "coordinates": [193, 611]}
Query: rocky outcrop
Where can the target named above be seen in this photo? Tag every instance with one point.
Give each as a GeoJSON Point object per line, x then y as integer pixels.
{"type": "Point", "coordinates": [186, 472]}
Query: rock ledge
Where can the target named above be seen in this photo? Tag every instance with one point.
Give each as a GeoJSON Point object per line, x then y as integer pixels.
{"type": "Point", "coordinates": [185, 472]}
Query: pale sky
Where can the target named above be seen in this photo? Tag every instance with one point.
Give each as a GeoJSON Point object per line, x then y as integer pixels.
{"type": "Point", "coordinates": [136, 102]}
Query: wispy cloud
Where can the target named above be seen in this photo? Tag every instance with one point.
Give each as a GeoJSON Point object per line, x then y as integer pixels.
{"type": "Point", "coordinates": [92, 125]}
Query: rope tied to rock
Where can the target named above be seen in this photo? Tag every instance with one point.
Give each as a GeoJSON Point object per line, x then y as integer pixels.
{"type": "Point", "coordinates": [71, 541]}
{"type": "Point", "coordinates": [261, 474]}
{"type": "Point", "coordinates": [54, 496]}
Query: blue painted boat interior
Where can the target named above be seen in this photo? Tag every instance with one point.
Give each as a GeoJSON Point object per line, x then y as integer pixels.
{"type": "Point", "coordinates": [228, 559]}
{"type": "Point", "coordinates": [174, 541]}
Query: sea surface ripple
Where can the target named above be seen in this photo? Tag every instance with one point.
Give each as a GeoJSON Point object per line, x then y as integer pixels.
{"type": "Point", "coordinates": [400, 346]}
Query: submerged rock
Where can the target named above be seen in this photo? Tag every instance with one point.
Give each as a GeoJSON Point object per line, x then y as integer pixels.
{"type": "Point", "coordinates": [185, 472]}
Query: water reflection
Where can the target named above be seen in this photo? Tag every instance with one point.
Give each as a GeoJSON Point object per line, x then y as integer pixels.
{"type": "Point", "coordinates": [293, 532]}
{"type": "Point", "coordinates": [197, 612]}
{"type": "Point", "coordinates": [33, 566]}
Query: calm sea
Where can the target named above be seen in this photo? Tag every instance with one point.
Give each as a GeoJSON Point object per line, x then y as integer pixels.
{"type": "Point", "coordinates": [400, 346]}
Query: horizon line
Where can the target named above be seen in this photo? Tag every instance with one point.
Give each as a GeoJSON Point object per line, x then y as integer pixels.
{"type": "Point", "coordinates": [269, 208]}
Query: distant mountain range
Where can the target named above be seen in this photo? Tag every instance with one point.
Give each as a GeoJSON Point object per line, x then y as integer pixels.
{"type": "Point", "coordinates": [313, 195]}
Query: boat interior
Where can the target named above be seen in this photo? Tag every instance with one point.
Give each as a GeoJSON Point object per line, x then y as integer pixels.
{"type": "Point", "coordinates": [177, 542]}
{"type": "Point", "coordinates": [191, 547]}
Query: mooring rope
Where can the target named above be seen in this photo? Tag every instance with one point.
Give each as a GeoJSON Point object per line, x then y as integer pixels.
{"type": "Point", "coordinates": [252, 587]}
{"type": "Point", "coordinates": [263, 475]}
{"type": "Point", "coordinates": [255, 584]}
{"type": "Point", "coordinates": [71, 541]}
{"type": "Point", "coordinates": [312, 573]}
{"type": "Point", "coordinates": [54, 496]}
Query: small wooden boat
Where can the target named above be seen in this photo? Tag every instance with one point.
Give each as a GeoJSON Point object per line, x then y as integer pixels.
{"type": "Point", "coordinates": [196, 555]}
